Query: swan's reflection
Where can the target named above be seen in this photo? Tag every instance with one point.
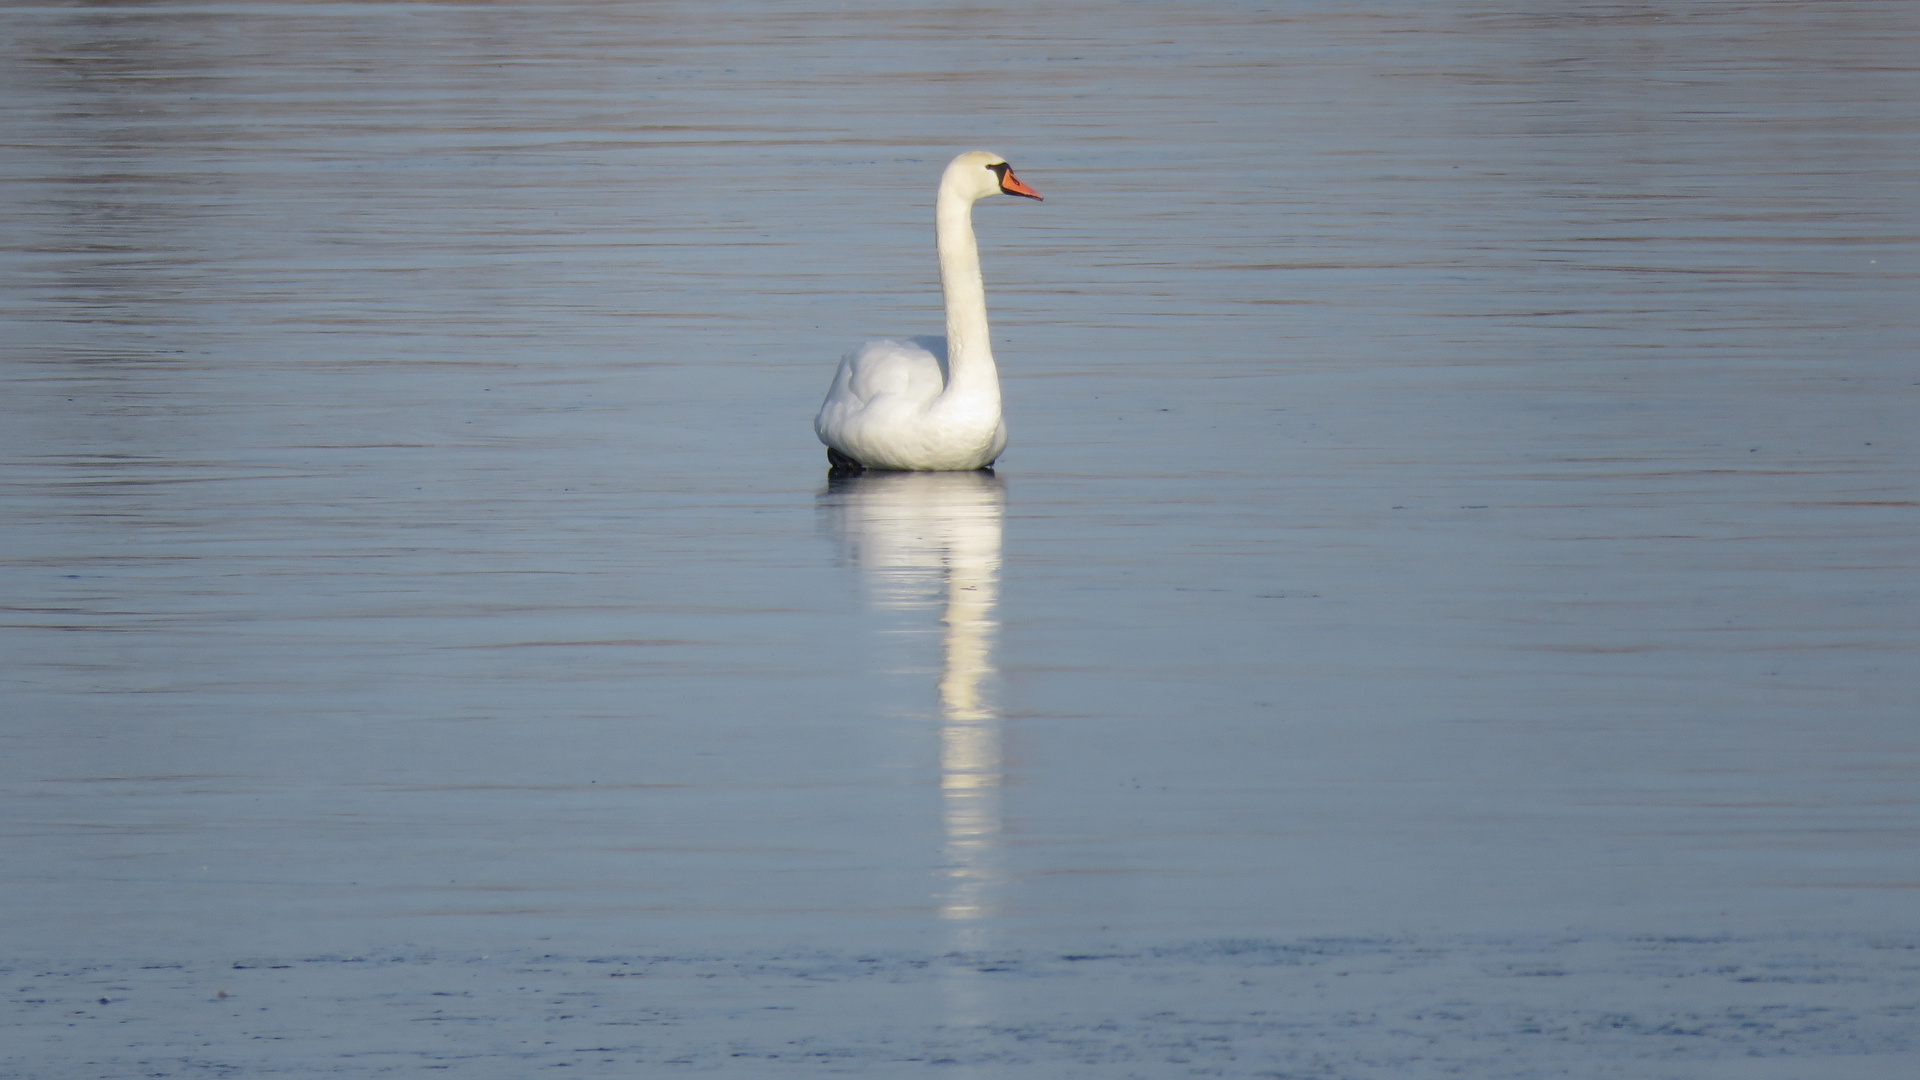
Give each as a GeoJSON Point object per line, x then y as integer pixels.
{"type": "Point", "coordinates": [933, 539]}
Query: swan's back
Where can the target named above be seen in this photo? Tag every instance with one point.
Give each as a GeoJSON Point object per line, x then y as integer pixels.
{"type": "Point", "coordinates": [881, 385]}
{"type": "Point", "coordinates": [915, 369]}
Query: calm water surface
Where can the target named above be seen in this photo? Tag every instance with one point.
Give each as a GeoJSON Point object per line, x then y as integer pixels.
{"type": "Point", "coordinates": [1463, 474]}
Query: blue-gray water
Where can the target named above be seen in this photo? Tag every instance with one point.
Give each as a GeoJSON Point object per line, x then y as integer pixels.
{"type": "Point", "coordinates": [1462, 481]}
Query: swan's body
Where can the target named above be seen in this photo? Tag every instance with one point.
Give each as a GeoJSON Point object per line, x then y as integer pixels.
{"type": "Point", "coordinates": [930, 403]}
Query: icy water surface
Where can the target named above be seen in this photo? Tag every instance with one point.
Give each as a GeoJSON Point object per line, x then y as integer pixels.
{"type": "Point", "coordinates": [1448, 605]}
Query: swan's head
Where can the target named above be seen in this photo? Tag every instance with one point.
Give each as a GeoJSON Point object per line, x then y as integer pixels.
{"type": "Point", "coordinates": [977, 174]}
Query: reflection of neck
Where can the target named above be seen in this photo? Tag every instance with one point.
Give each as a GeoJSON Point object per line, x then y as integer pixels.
{"type": "Point", "coordinates": [970, 755]}
{"type": "Point", "coordinates": [972, 585]}
{"type": "Point", "coordinates": [970, 371]}
{"type": "Point", "coordinates": [970, 738]}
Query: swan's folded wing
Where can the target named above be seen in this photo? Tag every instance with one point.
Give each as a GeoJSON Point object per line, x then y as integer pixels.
{"type": "Point", "coordinates": [904, 368]}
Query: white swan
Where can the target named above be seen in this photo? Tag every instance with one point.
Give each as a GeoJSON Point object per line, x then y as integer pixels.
{"type": "Point", "coordinates": [928, 403]}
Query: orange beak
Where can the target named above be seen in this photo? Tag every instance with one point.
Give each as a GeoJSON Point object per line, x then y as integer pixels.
{"type": "Point", "coordinates": [1011, 185]}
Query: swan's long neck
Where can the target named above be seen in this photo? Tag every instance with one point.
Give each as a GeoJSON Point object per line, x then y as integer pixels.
{"type": "Point", "coordinates": [970, 370]}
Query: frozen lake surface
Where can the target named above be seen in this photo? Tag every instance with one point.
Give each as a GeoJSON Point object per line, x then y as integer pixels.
{"type": "Point", "coordinates": [1448, 606]}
